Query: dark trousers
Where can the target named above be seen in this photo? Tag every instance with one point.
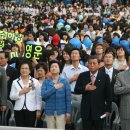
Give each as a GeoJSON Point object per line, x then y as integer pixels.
{"type": "Point", "coordinates": [25, 118]}
{"type": "Point", "coordinates": [89, 124]}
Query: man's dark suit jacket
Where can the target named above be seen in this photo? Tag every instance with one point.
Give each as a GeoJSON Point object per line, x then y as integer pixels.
{"type": "Point", "coordinates": [3, 87]}
{"type": "Point", "coordinates": [93, 102]}
{"type": "Point", "coordinates": [12, 74]}
{"type": "Point", "coordinates": [115, 98]}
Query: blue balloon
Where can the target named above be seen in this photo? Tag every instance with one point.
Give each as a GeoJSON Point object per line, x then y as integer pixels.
{"type": "Point", "coordinates": [105, 20]}
{"type": "Point", "coordinates": [80, 17]}
{"type": "Point", "coordinates": [100, 41]}
{"type": "Point", "coordinates": [115, 40]}
{"type": "Point", "coordinates": [75, 42]}
{"type": "Point", "coordinates": [125, 44]}
{"type": "Point", "coordinates": [61, 21]}
{"type": "Point", "coordinates": [87, 42]}
{"type": "Point", "coordinates": [30, 42]}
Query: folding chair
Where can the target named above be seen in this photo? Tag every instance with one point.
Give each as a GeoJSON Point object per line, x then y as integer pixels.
{"type": "Point", "coordinates": [5, 113]}
{"type": "Point", "coordinates": [75, 115]}
{"type": "Point", "coordinates": [116, 122]}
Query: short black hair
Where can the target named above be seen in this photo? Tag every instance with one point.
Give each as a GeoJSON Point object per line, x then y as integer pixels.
{"type": "Point", "coordinates": [93, 57]}
{"type": "Point", "coordinates": [116, 34]}
{"type": "Point", "coordinates": [5, 53]}
{"type": "Point", "coordinates": [43, 65]}
{"type": "Point", "coordinates": [110, 50]}
{"type": "Point", "coordinates": [77, 50]}
{"type": "Point", "coordinates": [25, 62]}
{"type": "Point", "coordinates": [121, 47]}
{"type": "Point", "coordinates": [33, 33]}
{"type": "Point", "coordinates": [49, 45]}
{"type": "Point", "coordinates": [57, 62]}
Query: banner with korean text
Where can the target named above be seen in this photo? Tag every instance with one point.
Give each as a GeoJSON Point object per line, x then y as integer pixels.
{"type": "Point", "coordinates": [12, 36]}
{"type": "Point", "coordinates": [36, 51]}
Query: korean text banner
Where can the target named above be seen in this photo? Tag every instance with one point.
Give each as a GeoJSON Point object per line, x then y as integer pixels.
{"type": "Point", "coordinates": [13, 54]}
{"type": "Point", "coordinates": [2, 44]}
{"type": "Point", "coordinates": [12, 36]}
{"type": "Point", "coordinates": [36, 51]}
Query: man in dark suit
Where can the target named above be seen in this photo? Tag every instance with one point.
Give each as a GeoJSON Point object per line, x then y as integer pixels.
{"type": "Point", "coordinates": [11, 73]}
{"type": "Point", "coordinates": [3, 89]}
{"type": "Point", "coordinates": [108, 69]}
{"type": "Point", "coordinates": [96, 95]}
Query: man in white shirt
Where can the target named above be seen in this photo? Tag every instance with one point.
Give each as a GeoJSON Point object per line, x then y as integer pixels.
{"type": "Point", "coordinates": [72, 72]}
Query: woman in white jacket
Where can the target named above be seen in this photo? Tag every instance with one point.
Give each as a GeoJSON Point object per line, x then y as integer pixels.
{"type": "Point", "coordinates": [26, 92]}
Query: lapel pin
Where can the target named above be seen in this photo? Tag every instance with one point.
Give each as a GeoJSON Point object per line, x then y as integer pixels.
{"type": "Point", "coordinates": [99, 80]}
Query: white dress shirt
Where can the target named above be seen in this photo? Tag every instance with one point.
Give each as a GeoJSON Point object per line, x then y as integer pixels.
{"type": "Point", "coordinates": [109, 72]}
{"type": "Point", "coordinates": [32, 100]}
{"type": "Point", "coordinates": [69, 71]}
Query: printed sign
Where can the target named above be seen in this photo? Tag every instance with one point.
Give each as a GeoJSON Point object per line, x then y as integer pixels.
{"type": "Point", "coordinates": [12, 36]}
{"type": "Point", "coordinates": [13, 54]}
{"type": "Point", "coordinates": [35, 51]}
{"type": "Point", "coordinates": [2, 44]}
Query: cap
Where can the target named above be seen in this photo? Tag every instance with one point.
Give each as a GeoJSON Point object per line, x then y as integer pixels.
{"type": "Point", "coordinates": [67, 27]}
{"type": "Point", "coordinates": [55, 40]}
{"type": "Point", "coordinates": [59, 26]}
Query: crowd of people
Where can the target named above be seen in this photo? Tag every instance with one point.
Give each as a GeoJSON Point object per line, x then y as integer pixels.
{"type": "Point", "coordinates": [58, 53]}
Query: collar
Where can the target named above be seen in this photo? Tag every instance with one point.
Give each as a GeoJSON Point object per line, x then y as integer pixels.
{"type": "Point", "coordinates": [72, 67]}
{"type": "Point", "coordinates": [20, 82]}
{"type": "Point", "coordinates": [5, 67]}
{"type": "Point", "coordinates": [95, 75]}
{"type": "Point", "coordinates": [51, 82]}
{"type": "Point", "coordinates": [30, 78]}
{"type": "Point", "coordinates": [109, 70]}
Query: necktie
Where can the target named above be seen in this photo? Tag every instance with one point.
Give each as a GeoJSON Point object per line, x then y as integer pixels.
{"type": "Point", "coordinates": [93, 79]}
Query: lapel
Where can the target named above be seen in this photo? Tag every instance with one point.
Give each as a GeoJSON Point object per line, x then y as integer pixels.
{"type": "Point", "coordinates": [89, 77]}
{"type": "Point", "coordinates": [114, 73]}
{"type": "Point", "coordinates": [98, 79]}
{"type": "Point", "coordinates": [103, 69]}
{"type": "Point", "coordinates": [20, 83]}
{"type": "Point", "coordinates": [7, 70]}
{"type": "Point", "coordinates": [113, 76]}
